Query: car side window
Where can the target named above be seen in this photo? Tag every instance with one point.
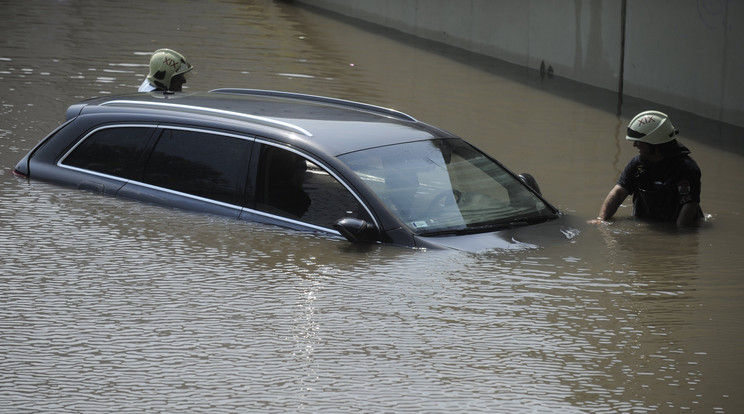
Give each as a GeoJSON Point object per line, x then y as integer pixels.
{"type": "Point", "coordinates": [208, 165]}
{"type": "Point", "coordinates": [290, 185]}
{"type": "Point", "coordinates": [112, 151]}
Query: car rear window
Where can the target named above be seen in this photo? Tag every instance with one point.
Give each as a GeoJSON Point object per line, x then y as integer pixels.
{"type": "Point", "coordinates": [208, 165]}
{"type": "Point", "coordinates": [112, 151]}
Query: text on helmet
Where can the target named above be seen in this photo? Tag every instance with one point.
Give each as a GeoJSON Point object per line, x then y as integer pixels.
{"type": "Point", "coordinates": [646, 120]}
{"type": "Point", "coordinates": [171, 62]}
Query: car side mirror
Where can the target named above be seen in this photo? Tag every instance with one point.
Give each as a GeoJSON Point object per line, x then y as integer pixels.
{"type": "Point", "coordinates": [530, 181]}
{"type": "Point", "coordinates": [356, 230]}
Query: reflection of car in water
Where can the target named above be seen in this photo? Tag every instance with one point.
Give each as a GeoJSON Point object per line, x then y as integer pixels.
{"type": "Point", "coordinates": [306, 162]}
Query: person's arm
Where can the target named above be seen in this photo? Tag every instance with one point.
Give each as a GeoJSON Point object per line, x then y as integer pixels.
{"type": "Point", "coordinates": [611, 203]}
{"type": "Point", "coordinates": [688, 215]}
{"type": "Point", "coordinates": [689, 181]}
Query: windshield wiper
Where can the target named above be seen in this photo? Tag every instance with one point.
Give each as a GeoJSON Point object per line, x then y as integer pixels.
{"type": "Point", "coordinates": [458, 231]}
{"type": "Point", "coordinates": [493, 226]}
{"type": "Point", "coordinates": [524, 221]}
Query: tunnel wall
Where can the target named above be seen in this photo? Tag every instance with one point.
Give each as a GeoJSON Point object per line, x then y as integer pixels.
{"type": "Point", "coordinates": [686, 54]}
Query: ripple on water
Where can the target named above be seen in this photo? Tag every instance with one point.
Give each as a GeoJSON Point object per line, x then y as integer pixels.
{"type": "Point", "coordinates": [108, 305]}
{"type": "Point", "coordinates": [115, 300]}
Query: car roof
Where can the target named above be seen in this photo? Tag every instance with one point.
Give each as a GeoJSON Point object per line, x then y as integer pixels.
{"type": "Point", "coordinates": [333, 125]}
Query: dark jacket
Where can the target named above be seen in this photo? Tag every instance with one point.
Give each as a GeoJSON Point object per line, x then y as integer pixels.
{"type": "Point", "coordinates": [660, 189]}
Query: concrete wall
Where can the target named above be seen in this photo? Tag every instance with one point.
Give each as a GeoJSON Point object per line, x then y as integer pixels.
{"type": "Point", "coordinates": [687, 54]}
{"type": "Point", "coordinates": [694, 61]}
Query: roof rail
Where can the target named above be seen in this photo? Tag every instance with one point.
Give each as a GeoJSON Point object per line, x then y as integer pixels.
{"type": "Point", "coordinates": [202, 109]}
{"type": "Point", "coordinates": [315, 98]}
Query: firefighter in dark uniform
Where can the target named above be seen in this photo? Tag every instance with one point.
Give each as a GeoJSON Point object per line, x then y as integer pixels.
{"type": "Point", "coordinates": [663, 179]}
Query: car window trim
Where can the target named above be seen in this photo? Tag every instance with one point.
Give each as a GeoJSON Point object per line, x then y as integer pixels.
{"type": "Point", "coordinates": [155, 187]}
{"type": "Point", "coordinates": [293, 221]}
{"type": "Point", "coordinates": [67, 153]}
{"type": "Point", "coordinates": [158, 129]}
{"type": "Point", "coordinates": [186, 195]}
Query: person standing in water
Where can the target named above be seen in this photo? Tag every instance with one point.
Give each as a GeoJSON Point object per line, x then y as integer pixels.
{"type": "Point", "coordinates": [663, 179]}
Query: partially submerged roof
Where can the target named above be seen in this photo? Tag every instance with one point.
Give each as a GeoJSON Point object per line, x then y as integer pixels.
{"type": "Point", "coordinates": [339, 126]}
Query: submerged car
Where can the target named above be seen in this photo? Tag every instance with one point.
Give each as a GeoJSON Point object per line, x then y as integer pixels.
{"type": "Point", "coordinates": [370, 174]}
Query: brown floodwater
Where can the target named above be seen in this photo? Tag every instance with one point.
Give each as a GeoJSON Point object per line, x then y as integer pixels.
{"type": "Point", "coordinates": [108, 305]}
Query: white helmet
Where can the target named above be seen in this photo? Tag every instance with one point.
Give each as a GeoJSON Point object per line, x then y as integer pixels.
{"type": "Point", "coordinates": [164, 65]}
{"type": "Point", "coordinates": [651, 127]}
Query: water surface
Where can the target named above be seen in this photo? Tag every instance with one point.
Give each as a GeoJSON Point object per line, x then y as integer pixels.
{"type": "Point", "coordinates": [108, 305]}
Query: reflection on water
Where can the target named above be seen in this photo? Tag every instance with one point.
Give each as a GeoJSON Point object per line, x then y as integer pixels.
{"type": "Point", "coordinates": [109, 305]}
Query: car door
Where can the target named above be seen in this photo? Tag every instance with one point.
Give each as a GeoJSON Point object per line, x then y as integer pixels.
{"type": "Point", "coordinates": [294, 190]}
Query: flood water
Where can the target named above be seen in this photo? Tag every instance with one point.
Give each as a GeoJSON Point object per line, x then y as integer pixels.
{"type": "Point", "coordinates": [109, 305]}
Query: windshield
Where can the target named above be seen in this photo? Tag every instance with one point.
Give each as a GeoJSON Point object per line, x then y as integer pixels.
{"type": "Point", "coordinates": [447, 187]}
